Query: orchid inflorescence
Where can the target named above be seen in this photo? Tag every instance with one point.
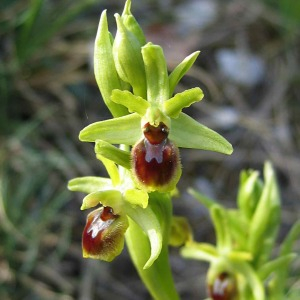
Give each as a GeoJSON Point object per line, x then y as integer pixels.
{"type": "Point", "coordinates": [148, 126]}
{"type": "Point", "coordinates": [139, 148]}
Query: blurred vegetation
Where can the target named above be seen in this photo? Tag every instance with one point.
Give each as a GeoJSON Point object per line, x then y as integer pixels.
{"type": "Point", "coordinates": [48, 93]}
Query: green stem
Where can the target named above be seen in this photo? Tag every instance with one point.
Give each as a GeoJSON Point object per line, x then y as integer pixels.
{"type": "Point", "coordinates": [157, 278]}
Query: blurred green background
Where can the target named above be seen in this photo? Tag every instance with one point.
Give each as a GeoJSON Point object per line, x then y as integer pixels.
{"type": "Point", "coordinates": [249, 69]}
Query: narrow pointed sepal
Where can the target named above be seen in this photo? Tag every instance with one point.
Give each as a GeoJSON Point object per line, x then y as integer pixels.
{"type": "Point", "coordinates": [89, 184]}
{"type": "Point", "coordinates": [188, 133]}
{"type": "Point", "coordinates": [124, 130]}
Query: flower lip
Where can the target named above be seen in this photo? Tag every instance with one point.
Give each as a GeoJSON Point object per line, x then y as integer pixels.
{"type": "Point", "coordinates": [156, 135]}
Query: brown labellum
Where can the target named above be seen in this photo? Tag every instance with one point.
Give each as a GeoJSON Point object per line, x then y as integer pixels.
{"type": "Point", "coordinates": [103, 234]}
{"type": "Point", "coordinates": [223, 288]}
{"type": "Point", "coordinates": [155, 159]}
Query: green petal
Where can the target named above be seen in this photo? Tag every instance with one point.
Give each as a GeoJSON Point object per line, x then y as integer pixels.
{"type": "Point", "coordinates": [181, 70]}
{"type": "Point", "coordinates": [89, 184]}
{"type": "Point", "coordinates": [148, 221]}
{"type": "Point", "coordinates": [173, 106]}
{"type": "Point", "coordinates": [111, 169]}
{"type": "Point", "coordinates": [104, 68]}
{"type": "Point", "coordinates": [188, 133]}
{"type": "Point", "coordinates": [111, 198]}
{"type": "Point", "coordinates": [120, 157]}
{"type": "Point", "coordinates": [136, 197]}
{"type": "Point", "coordinates": [133, 103]}
{"type": "Point", "coordinates": [124, 130]}
{"type": "Point", "coordinates": [156, 73]}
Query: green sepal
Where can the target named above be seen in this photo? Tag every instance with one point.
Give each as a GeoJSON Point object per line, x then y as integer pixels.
{"type": "Point", "coordinates": [107, 150]}
{"type": "Point", "coordinates": [89, 184]}
{"type": "Point", "coordinates": [174, 106]}
{"type": "Point", "coordinates": [200, 251]}
{"type": "Point", "coordinates": [187, 133]}
{"type": "Point", "coordinates": [180, 71]}
{"type": "Point", "coordinates": [131, 24]}
{"type": "Point", "coordinates": [111, 198]}
{"type": "Point", "coordinates": [124, 130]}
{"type": "Point", "coordinates": [156, 73]}
{"type": "Point", "coordinates": [133, 103]}
{"type": "Point", "coordinates": [128, 59]}
{"type": "Point", "coordinates": [104, 68]}
{"type": "Point", "coordinates": [148, 222]}
{"type": "Point", "coordinates": [136, 197]}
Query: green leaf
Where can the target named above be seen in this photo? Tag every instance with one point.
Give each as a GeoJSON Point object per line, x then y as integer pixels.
{"type": "Point", "coordinates": [156, 73]}
{"type": "Point", "coordinates": [188, 133]}
{"type": "Point", "coordinates": [89, 184]}
{"type": "Point", "coordinates": [133, 103]}
{"type": "Point", "coordinates": [120, 157]}
{"type": "Point", "coordinates": [111, 198]}
{"type": "Point", "coordinates": [104, 67]}
{"type": "Point", "coordinates": [174, 106]}
{"type": "Point", "coordinates": [180, 71]}
{"type": "Point", "coordinates": [123, 130]}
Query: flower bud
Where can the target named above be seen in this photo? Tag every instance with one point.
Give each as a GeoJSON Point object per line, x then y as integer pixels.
{"type": "Point", "coordinates": [223, 287]}
{"type": "Point", "coordinates": [155, 160]}
{"type": "Point", "coordinates": [103, 235]}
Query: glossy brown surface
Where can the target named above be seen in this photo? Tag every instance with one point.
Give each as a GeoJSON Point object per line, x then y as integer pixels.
{"type": "Point", "coordinates": [155, 164]}
{"type": "Point", "coordinates": [156, 135]}
{"type": "Point", "coordinates": [97, 223]}
{"type": "Point", "coordinates": [223, 288]}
